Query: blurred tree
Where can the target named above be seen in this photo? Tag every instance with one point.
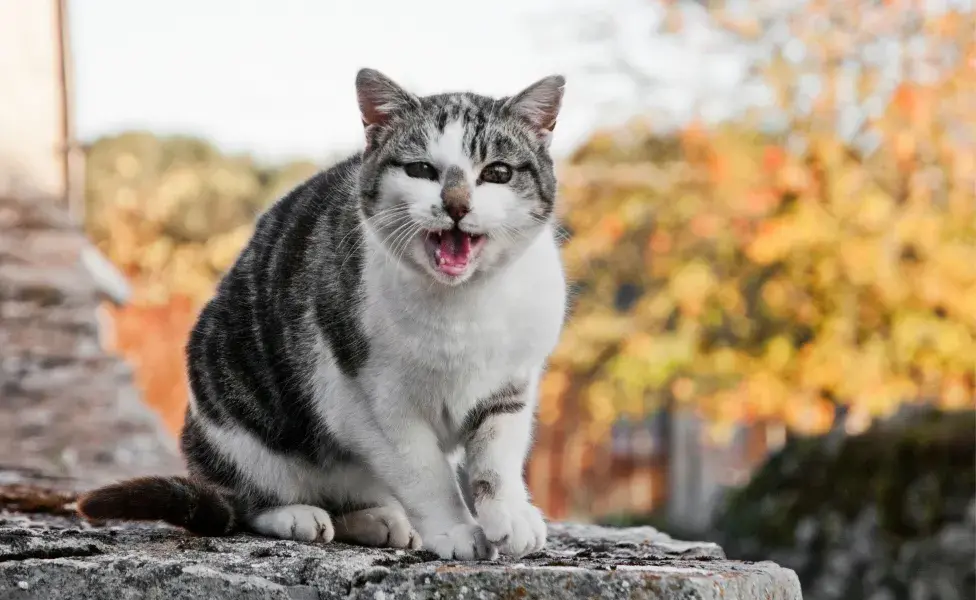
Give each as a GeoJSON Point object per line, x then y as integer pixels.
{"type": "Point", "coordinates": [174, 212]}
{"type": "Point", "coordinates": [828, 262]}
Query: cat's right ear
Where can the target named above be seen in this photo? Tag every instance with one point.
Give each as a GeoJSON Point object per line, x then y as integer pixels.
{"type": "Point", "coordinates": [379, 96]}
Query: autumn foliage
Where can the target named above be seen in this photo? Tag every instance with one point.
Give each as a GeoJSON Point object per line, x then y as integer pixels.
{"type": "Point", "coordinates": [773, 276]}
{"type": "Point", "coordinates": [777, 276]}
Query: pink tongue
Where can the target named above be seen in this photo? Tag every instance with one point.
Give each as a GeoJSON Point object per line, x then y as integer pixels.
{"type": "Point", "coordinates": [455, 249]}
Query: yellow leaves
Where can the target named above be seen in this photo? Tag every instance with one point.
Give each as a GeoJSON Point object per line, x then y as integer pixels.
{"type": "Point", "coordinates": [956, 261]}
{"type": "Point", "coordinates": [127, 166]}
{"type": "Point", "coordinates": [861, 259]}
{"type": "Point", "coordinates": [874, 211]}
{"type": "Point", "coordinates": [776, 295]}
{"type": "Point", "coordinates": [222, 250]}
{"type": "Point", "coordinates": [764, 392]}
{"type": "Point", "coordinates": [725, 362]}
{"type": "Point", "coordinates": [173, 213]}
{"type": "Point", "coordinates": [779, 353]}
{"type": "Point", "coordinates": [691, 285]}
{"type": "Point", "coordinates": [914, 333]}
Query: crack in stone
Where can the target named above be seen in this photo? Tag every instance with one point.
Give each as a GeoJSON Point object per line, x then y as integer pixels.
{"type": "Point", "coordinates": [51, 553]}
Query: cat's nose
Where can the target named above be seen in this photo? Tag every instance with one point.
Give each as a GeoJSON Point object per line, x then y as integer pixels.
{"type": "Point", "coordinates": [456, 195]}
{"type": "Point", "coordinates": [456, 211]}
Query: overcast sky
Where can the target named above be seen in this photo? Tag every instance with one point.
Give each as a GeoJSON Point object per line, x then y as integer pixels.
{"type": "Point", "coordinates": [275, 77]}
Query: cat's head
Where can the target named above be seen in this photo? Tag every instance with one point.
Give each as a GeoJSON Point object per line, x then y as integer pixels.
{"type": "Point", "coordinates": [456, 184]}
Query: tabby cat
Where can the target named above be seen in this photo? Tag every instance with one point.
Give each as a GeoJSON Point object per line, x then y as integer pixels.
{"type": "Point", "coordinates": [387, 324]}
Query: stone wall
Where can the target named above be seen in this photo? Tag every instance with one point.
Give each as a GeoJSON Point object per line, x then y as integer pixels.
{"type": "Point", "coordinates": [68, 411]}
{"type": "Point", "coordinates": [52, 557]}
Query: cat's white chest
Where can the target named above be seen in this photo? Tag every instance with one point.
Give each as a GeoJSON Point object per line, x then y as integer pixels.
{"type": "Point", "coordinates": [452, 352]}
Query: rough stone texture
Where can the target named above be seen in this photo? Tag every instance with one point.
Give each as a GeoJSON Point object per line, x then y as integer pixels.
{"type": "Point", "coordinates": [44, 557]}
{"type": "Point", "coordinates": [67, 409]}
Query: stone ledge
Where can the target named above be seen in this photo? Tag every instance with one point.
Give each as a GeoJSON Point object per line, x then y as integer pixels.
{"type": "Point", "coordinates": [44, 557]}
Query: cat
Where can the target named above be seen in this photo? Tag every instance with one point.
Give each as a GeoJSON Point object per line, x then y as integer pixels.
{"type": "Point", "coordinates": [387, 323]}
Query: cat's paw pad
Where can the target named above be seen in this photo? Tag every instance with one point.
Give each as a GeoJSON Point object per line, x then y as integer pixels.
{"type": "Point", "coordinates": [515, 527]}
{"type": "Point", "coordinates": [380, 526]}
{"type": "Point", "coordinates": [461, 542]}
{"type": "Point", "coordinates": [298, 522]}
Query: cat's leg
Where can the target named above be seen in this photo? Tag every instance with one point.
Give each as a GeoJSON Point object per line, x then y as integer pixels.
{"type": "Point", "coordinates": [407, 457]}
{"type": "Point", "coordinates": [300, 522]}
{"type": "Point", "coordinates": [402, 452]}
{"type": "Point", "coordinates": [379, 526]}
{"type": "Point", "coordinates": [398, 446]}
{"type": "Point", "coordinates": [494, 459]}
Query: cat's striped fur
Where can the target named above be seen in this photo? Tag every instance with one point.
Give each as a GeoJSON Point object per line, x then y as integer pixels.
{"type": "Point", "coordinates": [389, 319]}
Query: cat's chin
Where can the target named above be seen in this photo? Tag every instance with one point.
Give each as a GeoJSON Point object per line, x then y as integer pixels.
{"type": "Point", "coordinates": [453, 254]}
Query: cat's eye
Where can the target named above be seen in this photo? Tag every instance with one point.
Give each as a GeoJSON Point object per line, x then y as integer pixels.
{"type": "Point", "coordinates": [420, 170]}
{"type": "Point", "coordinates": [496, 173]}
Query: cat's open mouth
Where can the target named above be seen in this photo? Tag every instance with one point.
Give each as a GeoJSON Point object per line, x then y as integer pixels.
{"type": "Point", "coordinates": [453, 250]}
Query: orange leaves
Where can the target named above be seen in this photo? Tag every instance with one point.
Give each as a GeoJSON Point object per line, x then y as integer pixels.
{"type": "Point", "coordinates": [611, 227]}
{"type": "Point", "coordinates": [774, 157]}
{"type": "Point", "coordinates": [779, 283]}
{"type": "Point", "coordinates": [915, 103]}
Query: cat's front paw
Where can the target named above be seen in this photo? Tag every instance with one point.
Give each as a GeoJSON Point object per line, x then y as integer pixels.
{"type": "Point", "coordinates": [516, 527]}
{"type": "Point", "coordinates": [460, 542]}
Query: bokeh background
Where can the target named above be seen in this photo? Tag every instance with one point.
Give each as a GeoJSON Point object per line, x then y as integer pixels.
{"type": "Point", "coordinates": [768, 216]}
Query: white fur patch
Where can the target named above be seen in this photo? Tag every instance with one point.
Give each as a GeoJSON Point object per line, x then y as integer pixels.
{"type": "Point", "coordinates": [289, 479]}
{"type": "Point", "coordinates": [447, 150]}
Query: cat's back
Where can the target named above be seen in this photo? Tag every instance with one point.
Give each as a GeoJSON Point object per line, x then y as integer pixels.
{"type": "Point", "coordinates": [321, 202]}
{"type": "Point", "coordinates": [262, 296]}
{"type": "Point", "coordinates": [252, 344]}
{"type": "Point", "coordinates": [298, 229]}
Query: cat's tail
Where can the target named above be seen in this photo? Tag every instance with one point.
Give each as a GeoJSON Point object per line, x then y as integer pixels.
{"type": "Point", "coordinates": [194, 505]}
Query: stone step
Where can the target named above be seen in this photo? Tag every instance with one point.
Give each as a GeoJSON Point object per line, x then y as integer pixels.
{"type": "Point", "coordinates": [43, 556]}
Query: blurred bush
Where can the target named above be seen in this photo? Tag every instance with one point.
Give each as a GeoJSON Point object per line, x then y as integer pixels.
{"type": "Point", "coordinates": [174, 212]}
{"type": "Point", "coordinates": [890, 513]}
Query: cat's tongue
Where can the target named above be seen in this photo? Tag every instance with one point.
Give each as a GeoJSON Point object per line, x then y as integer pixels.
{"type": "Point", "coordinates": [454, 252]}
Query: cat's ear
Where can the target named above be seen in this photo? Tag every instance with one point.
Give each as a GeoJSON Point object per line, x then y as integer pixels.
{"type": "Point", "coordinates": [379, 96]}
{"type": "Point", "coordinates": [539, 104]}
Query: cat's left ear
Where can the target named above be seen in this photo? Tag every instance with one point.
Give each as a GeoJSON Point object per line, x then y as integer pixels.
{"type": "Point", "coordinates": [379, 96]}
{"type": "Point", "coordinates": [539, 105]}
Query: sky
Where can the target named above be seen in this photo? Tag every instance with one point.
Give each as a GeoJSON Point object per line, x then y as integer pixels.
{"type": "Point", "coordinates": [275, 77]}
